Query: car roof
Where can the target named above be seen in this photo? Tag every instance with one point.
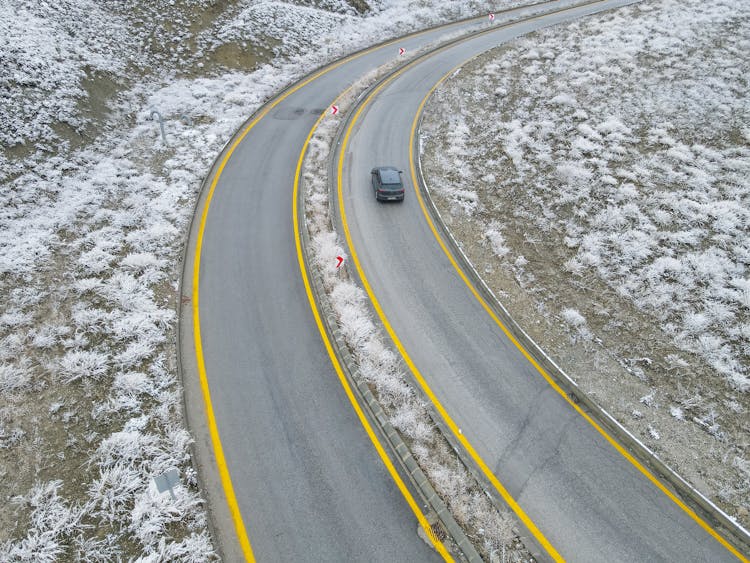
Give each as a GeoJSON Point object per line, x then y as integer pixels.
{"type": "Point", "coordinates": [389, 175]}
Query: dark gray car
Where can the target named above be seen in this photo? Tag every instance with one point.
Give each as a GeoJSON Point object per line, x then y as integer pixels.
{"type": "Point", "coordinates": [386, 181]}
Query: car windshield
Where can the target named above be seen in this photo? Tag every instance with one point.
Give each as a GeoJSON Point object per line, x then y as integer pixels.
{"type": "Point", "coordinates": [390, 177]}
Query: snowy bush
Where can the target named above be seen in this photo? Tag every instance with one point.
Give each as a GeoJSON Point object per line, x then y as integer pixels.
{"type": "Point", "coordinates": [573, 318]}
{"type": "Point", "coordinates": [497, 241]}
{"type": "Point", "coordinates": [78, 364]}
{"type": "Point", "coordinates": [578, 322]}
{"type": "Point", "coordinates": [14, 377]}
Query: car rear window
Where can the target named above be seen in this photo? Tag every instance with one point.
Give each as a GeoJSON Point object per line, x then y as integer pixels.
{"type": "Point", "coordinates": [390, 177]}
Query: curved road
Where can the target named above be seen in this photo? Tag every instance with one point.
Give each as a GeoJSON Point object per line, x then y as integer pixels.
{"type": "Point", "coordinates": [306, 482]}
{"type": "Point", "coordinates": [587, 500]}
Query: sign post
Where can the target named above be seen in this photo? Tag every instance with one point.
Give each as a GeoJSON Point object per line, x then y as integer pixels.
{"type": "Point", "coordinates": [167, 480]}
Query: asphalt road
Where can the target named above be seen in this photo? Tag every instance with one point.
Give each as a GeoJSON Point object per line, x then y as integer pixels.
{"type": "Point", "coordinates": [308, 482]}
{"type": "Point", "coordinates": [587, 499]}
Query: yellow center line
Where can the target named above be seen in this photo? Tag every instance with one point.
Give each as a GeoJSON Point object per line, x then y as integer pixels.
{"type": "Point", "coordinates": [221, 462]}
{"type": "Point", "coordinates": [335, 361]}
{"type": "Point", "coordinates": [420, 379]}
{"type": "Point", "coordinates": [407, 359]}
{"type": "Point", "coordinates": [528, 356]}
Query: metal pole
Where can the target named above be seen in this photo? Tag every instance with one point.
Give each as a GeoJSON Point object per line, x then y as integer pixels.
{"type": "Point", "coordinates": [155, 111]}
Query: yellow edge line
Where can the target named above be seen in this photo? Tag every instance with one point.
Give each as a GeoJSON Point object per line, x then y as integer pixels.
{"type": "Point", "coordinates": [335, 361]}
{"type": "Point", "coordinates": [423, 384]}
{"type": "Point", "coordinates": [528, 356]}
{"type": "Point", "coordinates": [221, 463]}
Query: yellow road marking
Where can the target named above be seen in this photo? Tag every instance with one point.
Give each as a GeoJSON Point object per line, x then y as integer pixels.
{"type": "Point", "coordinates": [407, 359]}
{"type": "Point", "coordinates": [221, 463]}
{"type": "Point", "coordinates": [211, 420]}
{"type": "Point", "coordinates": [528, 356]}
{"type": "Point", "coordinates": [420, 379]}
{"type": "Point", "coordinates": [335, 361]}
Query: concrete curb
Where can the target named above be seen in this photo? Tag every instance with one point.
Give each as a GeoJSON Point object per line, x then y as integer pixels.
{"type": "Point", "coordinates": [716, 517]}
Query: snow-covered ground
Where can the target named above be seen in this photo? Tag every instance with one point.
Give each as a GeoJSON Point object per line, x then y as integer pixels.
{"type": "Point", "coordinates": [604, 193]}
{"type": "Point", "coordinates": [94, 210]}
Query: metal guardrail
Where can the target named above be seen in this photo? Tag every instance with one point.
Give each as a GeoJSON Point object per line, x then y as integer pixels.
{"type": "Point", "coordinates": [697, 501]}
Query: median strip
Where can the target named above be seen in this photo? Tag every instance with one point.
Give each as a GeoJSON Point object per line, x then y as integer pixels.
{"type": "Point", "coordinates": [446, 486]}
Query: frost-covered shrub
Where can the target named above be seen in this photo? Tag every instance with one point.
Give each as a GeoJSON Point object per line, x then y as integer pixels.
{"type": "Point", "coordinates": [152, 512]}
{"type": "Point", "coordinates": [14, 377]}
{"type": "Point", "coordinates": [497, 241]}
{"type": "Point", "coordinates": [195, 548]}
{"type": "Point", "coordinates": [357, 329]}
{"type": "Point", "coordinates": [573, 318]}
{"type": "Point", "coordinates": [52, 520]}
{"type": "Point", "coordinates": [78, 364]}
{"type": "Point", "coordinates": [578, 322]}
{"type": "Point", "coordinates": [412, 424]}
{"type": "Point", "coordinates": [326, 248]}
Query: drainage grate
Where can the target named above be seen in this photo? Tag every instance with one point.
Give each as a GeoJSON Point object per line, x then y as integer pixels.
{"type": "Point", "coordinates": [437, 532]}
